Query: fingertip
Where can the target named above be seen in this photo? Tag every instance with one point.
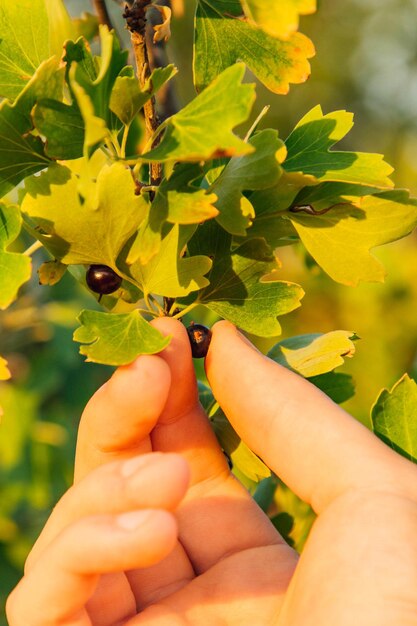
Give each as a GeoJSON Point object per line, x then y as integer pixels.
{"type": "Point", "coordinates": [178, 357]}
{"type": "Point", "coordinates": [227, 342]}
{"type": "Point", "coordinates": [170, 326]}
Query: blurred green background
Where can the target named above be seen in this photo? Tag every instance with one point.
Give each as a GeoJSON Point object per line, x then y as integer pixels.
{"type": "Point", "coordinates": [366, 63]}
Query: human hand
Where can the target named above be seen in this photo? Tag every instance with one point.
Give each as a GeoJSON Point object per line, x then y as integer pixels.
{"type": "Point", "coordinates": [229, 565]}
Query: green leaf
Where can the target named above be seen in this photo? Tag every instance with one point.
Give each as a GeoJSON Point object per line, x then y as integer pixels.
{"type": "Point", "coordinates": [31, 31]}
{"type": "Point", "coordinates": [4, 371]}
{"type": "Point", "coordinates": [15, 269]}
{"type": "Point", "coordinates": [394, 417]}
{"type": "Point", "coordinates": [303, 515]}
{"type": "Point", "coordinates": [24, 43]}
{"type": "Point", "coordinates": [339, 387]}
{"type": "Point", "coordinates": [61, 26]}
{"type": "Point", "coordinates": [117, 339]}
{"type": "Point", "coordinates": [243, 282]}
{"type": "Point", "coordinates": [63, 127]}
{"type": "Point", "coordinates": [309, 152]}
{"type": "Point", "coordinates": [167, 274]}
{"type": "Point", "coordinates": [84, 221]}
{"type": "Point", "coordinates": [96, 129]}
{"type": "Point", "coordinates": [278, 19]}
{"type": "Point", "coordinates": [127, 97]}
{"type": "Point", "coordinates": [95, 77]}
{"type": "Point", "coordinates": [221, 39]}
{"type": "Point", "coordinates": [241, 456]}
{"type": "Point", "coordinates": [284, 523]}
{"type": "Point", "coordinates": [22, 154]}
{"type": "Point", "coordinates": [203, 128]}
{"type": "Point", "coordinates": [340, 240]}
{"type": "Point", "coordinates": [177, 201]}
{"type": "Point", "coordinates": [312, 355]}
{"type": "Point", "coordinates": [258, 170]}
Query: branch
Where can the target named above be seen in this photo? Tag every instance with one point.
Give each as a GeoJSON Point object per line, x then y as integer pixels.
{"type": "Point", "coordinates": [102, 12]}
{"type": "Point", "coordinates": [135, 16]}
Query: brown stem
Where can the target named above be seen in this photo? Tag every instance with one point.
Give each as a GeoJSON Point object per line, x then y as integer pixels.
{"type": "Point", "coordinates": [135, 15]}
{"type": "Point", "coordinates": [102, 12]}
{"type": "Point", "coordinates": [168, 103]}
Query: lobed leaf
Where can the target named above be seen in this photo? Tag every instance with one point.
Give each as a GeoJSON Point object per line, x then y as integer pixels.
{"type": "Point", "coordinates": [96, 78]}
{"type": "Point", "coordinates": [177, 201]}
{"type": "Point", "coordinates": [84, 220]}
{"type": "Point", "coordinates": [258, 170]}
{"type": "Point", "coordinates": [21, 153]}
{"type": "Point", "coordinates": [167, 273]}
{"type": "Point", "coordinates": [339, 387]}
{"type": "Point", "coordinates": [309, 153]}
{"type": "Point", "coordinates": [15, 268]}
{"type": "Point", "coordinates": [31, 31]}
{"type": "Point", "coordinates": [117, 339]}
{"type": "Point", "coordinates": [278, 19]}
{"type": "Point", "coordinates": [238, 290]}
{"type": "Point", "coordinates": [127, 97]}
{"type": "Point", "coordinates": [312, 355]}
{"type": "Point", "coordinates": [341, 239]}
{"type": "Point", "coordinates": [393, 417]}
{"type": "Point", "coordinates": [203, 128]}
{"type": "Point", "coordinates": [24, 43]}
{"type": "Point", "coordinates": [63, 126]}
{"type": "Point", "coordinates": [222, 38]}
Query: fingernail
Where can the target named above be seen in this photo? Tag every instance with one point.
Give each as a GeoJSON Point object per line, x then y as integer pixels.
{"type": "Point", "coordinates": [133, 520]}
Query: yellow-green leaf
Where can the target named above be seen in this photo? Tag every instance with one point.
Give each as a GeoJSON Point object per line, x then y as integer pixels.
{"type": "Point", "coordinates": [278, 18]}
{"type": "Point", "coordinates": [223, 37]}
{"type": "Point", "coordinates": [203, 128]}
{"type": "Point", "coordinates": [340, 240]}
{"type": "Point", "coordinates": [15, 268]}
{"type": "Point", "coordinates": [167, 274]}
{"type": "Point", "coordinates": [394, 417]}
{"type": "Point", "coordinates": [312, 355]}
{"type": "Point", "coordinates": [309, 153]}
{"type": "Point", "coordinates": [117, 339]}
{"type": "Point", "coordinates": [83, 218]}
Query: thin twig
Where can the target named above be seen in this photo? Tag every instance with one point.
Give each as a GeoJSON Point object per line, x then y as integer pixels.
{"type": "Point", "coordinates": [102, 12]}
{"type": "Point", "coordinates": [37, 245]}
{"type": "Point", "coordinates": [135, 16]}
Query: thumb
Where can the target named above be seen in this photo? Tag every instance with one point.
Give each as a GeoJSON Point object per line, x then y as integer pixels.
{"type": "Point", "coordinates": [315, 447]}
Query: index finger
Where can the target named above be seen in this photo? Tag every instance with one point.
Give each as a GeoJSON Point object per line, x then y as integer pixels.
{"type": "Point", "coordinates": [119, 417]}
{"type": "Point", "coordinates": [318, 449]}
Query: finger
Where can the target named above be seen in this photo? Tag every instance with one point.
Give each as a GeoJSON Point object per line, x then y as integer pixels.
{"type": "Point", "coordinates": [119, 417]}
{"type": "Point", "coordinates": [116, 425]}
{"type": "Point", "coordinates": [149, 481]}
{"type": "Point", "coordinates": [58, 587]}
{"type": "Point", "coordinates": [317, 449]}
{"type": "Point", "coordinates": [245, 589]}
{"type": "Point", "coordinates": [216, 508]}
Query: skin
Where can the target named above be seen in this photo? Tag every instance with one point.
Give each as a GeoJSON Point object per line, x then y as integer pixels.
{"type": "Point", "coordinates": [157, 532]}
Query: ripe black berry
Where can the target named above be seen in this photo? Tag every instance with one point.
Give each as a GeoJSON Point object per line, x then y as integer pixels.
{"type": "Point", "coordinates": [102, 279]}
{"type": "Point", "coordinates": [200, 338]}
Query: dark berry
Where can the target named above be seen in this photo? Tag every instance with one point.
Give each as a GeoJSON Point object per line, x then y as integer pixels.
{"type": "Point", "coordinates": [102, 279]}
{"type": "Point", "coordinates": [200, 338]}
